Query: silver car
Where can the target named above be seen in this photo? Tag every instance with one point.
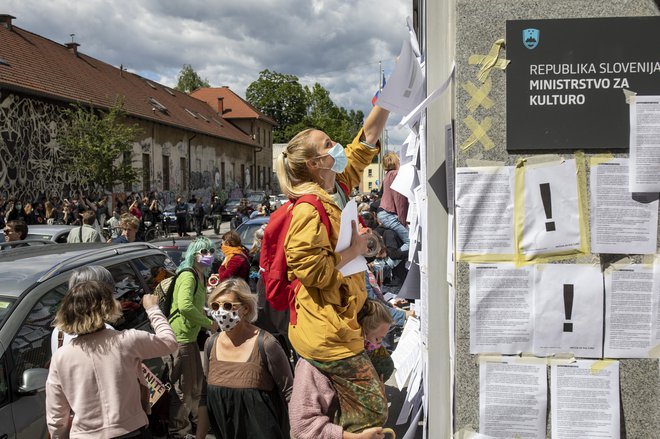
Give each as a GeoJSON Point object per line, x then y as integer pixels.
{"type": "Point", "coordinates": [33, 280]}
{"type": "Point", "coordinates": [56, 233]}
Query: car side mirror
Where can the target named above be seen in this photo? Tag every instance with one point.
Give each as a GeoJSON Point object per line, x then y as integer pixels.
{"type": "Point", "coordinates": [33, 380]}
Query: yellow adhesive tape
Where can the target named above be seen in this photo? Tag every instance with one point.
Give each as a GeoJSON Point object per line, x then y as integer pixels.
{"type": "Point", "coordinates": [654, 352]}
{"type": "Point", "coordinates": [630, 95]}
{"type": "Point", "coordinates": [492, 357]}
{"type": "Point", "coordinates": [479, 95]}
{"type": "Point", "coordinates": [479, 132]}
{"type": "Point", "coordinates": [489, 61]}
{"type": "Point", "coordinates": [598, 366]}
{"type": "Point", "coordinates": [599, 159]}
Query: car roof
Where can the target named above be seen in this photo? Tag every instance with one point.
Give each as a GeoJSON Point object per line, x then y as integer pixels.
{"type": "Point", "coordinates": [181, 242]}
{"type": "Point", "coordinates": [44, 229]}
{"type": "Point", "coordinates": [256, 220]}
{"type": "Point", "coordinates": [23, 267]}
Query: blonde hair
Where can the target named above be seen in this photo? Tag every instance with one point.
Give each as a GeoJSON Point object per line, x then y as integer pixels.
{"type": "Point", "coordinates": [86, 307]}
{"type": "Point", "coordinates": [372, 315]}
{"type": "Point", "coordinates": [127, 220]}
{"type": "Point", "coordinates": [242, 291]}
{"type": "Point", "coordinates": [291, 167]}
{"type": "Point", "coordinates": [390, 161]}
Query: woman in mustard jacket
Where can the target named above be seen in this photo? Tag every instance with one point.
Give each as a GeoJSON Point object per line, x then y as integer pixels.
{"type": "Point", "coordinates": [326, 332]}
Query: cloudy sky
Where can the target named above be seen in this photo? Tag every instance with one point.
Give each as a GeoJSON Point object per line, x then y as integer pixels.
{"type": "Point", "coordinates": [337, 43]}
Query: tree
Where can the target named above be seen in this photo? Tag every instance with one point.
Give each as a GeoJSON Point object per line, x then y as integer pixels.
{"type": "Point", "coordinates": [281, 97]}
{"type": "Point", "coordinates": [97, 146]}
{"type": "Point", "coordinates": [189, 81]}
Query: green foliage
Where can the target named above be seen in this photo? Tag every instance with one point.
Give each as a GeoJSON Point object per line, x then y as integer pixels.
{"type": "Point", "coordinates": [279, 96]}
{"type": "Point", "coordinates": [189, 81]}
{"type": "Point", "coordinates": [96, 144]}
{"type": "Point", "coordinates": [295, 108]}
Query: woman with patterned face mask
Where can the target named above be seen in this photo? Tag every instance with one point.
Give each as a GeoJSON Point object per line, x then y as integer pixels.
{"type": "Point", "coordinates": [248, 375]}
{"type": "Point", "coordinates": [325, 331]}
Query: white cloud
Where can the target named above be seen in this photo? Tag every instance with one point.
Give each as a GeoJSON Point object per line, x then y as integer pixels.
{"type": "Point", "coordinates": [336, 43]}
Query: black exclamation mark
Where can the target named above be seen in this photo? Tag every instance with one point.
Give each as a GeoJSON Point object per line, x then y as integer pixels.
{"type": "Point", "coordinates": [568, 306]}
{"type": "Point", "coordinates": [547, 206]}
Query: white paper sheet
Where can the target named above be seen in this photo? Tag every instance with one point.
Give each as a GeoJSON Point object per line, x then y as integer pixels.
{"type": "Point", "coordinates": [484, 210]}
{"type": "Point", "coordinates": [405, 86]}
{"type": "Point", "coordinates": [348, 215]}
{"type": "Point", "coordinates": [512, 398]}
{"type": "Point", "coordinates": [407, 352]}
{"type": "Point", "coordinates": [584, 400]}
{"type": "Point", "coordinates": [405, 181]}
{"type": "Point", "coordinates": [621, 222]}
{"type": "Point", "coordinates": [656, 305]}
{"type": "Point", "coordinates": [501, 308]}
{"type": "Point", "coordinates": [645, 144]}
{"type": "Point", "coordinates": [552, 216]}
{"type": "Point", "coordinates": [629, 311]}
{"type": "Point", "coordinates": [568, 303]}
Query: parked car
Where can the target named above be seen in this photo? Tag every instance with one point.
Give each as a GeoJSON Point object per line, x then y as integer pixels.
{"type": "Point", "coordinates": [255, 199]}
{"type": "Point", "coordinates": [229, 208]}
{"type": "Point", "coordinates": [33, 281]}
{"type": "Point", "coordinates": [169, 218]}
{"type": "Point", "coordinates": [56, 233]}
{"type": "Point", "coordinates": [175, 247]}
{"type": "Point", "coordinates": [247, 230]}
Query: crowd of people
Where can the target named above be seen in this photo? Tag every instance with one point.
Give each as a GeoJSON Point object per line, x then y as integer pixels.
{"type": "Point", "coordinates": [317, 372]}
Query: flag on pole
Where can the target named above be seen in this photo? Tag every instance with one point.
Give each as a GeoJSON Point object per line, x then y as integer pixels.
{"type": "Point", "coordinates": [382, 85]}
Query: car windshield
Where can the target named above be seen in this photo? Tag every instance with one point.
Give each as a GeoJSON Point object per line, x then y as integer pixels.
{"type": "Point", "coordinates": [246, 232]}
{"type": "Point", "coordinates": [255, 197]}
{"type": "Point", "coordinates": [5, 304]}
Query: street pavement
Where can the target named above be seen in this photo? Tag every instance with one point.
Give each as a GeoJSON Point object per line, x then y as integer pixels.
{"type": "Point", "coordinates": [395, 397]}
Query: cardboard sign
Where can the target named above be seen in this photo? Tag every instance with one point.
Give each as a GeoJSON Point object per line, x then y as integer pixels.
{"type": "Point", "coordinates": [156, 386]}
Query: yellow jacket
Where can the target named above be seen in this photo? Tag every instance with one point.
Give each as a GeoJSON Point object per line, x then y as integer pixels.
{"type": "Point", "coordinates": [327, 303]}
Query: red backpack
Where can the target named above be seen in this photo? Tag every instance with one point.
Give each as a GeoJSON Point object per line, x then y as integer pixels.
{"type": "Point", "coordinates": [280, 292]}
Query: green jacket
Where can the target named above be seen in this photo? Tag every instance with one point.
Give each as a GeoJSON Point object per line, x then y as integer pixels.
{"type": "Point", "coordinates": [191, 317]}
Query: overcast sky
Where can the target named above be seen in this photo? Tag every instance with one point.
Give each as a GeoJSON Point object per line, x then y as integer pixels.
{"type": "Point", "coordinates": [337, 43]}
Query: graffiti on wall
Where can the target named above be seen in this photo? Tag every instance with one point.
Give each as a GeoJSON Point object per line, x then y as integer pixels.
{"type": "Point", "coordinates": [29, 152]}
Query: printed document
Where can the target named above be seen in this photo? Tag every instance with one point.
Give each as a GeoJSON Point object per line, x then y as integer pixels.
{"type": "Point", "coordinates": [513, 398]}
{"type": "Point", "coordinates": [501, 308]}
{"type": "Point", "coordinates": [484, 210]}
{"type": "Point", "coordinates": [629, 311]}
{"type": "Point", "coordinates": [584, 400]}
{"type": "Point", "coordinates": [568, 304]}
{"type": "Point", "coordinates": [348, 215]}
{"type": "Point", "coordinates": [621, 222]}
{"type": "Point", "coordinates": [645, 144]}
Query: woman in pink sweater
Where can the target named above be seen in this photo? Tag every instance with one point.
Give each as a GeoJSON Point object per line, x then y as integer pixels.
{"type": "Point", "coordinates": [92, 389]}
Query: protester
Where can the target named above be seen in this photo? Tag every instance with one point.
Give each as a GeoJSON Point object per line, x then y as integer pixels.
{"type": "Point", "coordinates": [96, 376]}
{"type": "Point", "coordinates": [246, 395]}
{"type": "Point", "coordinates": [187, 318]}
{"type": "Point", "coordinates": [376, 322]}
{"type": "Point", "coordinates": [254, 256]}
{"type": "Point", "coordinates": [15, 230]}
{"type": "Point", "coordinates": [114, 224]}
{"type": "Point", "coordinates": [327, 333]}
{"type": "Point", "coordinates": [216, 214]}
{"type": "Point", "coordinates": [237, 261]}
{"type": "Point", "coordinates": [393, 208]}
{"type": "Point", "coordinates": [85, 233]}
{"type": "Point", "coordinates": [181, 213]}
{"type": "Point", "coordinates": [199, 213]}
{"type": "Point", "coordinates": [129, 225]}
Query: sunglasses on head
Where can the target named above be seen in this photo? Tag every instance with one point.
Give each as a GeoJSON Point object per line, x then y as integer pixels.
{"type": "Point", "coordinates": [206, 251]}
{"type": "Point", "coordinates": [227, 306]}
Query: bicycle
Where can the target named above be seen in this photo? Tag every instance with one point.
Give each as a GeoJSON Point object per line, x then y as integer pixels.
{"type": "Point", "coordinates": [157, 231]}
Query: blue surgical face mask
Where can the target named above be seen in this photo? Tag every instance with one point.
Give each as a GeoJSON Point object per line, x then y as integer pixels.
{"type": "Point", "coordinates": [340, 159]}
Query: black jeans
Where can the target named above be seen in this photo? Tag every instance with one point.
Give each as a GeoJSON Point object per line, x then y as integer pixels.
{"type": "Point", "coordinates": [140, 433]}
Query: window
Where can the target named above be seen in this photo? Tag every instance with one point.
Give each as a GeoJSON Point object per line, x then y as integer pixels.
{"type": "Point", "coordinates": [242, 176]}
{"type": "Point", "coordinates": [259, 176]}
{"type": "Point", "coordinates": [371, 184]}
{"type": "Point", "coordinates": [129, 292]}
{"type": "Point", "coordinates": [154, 268]}
{"type": "Point", "coordinates": [192, 113]}
{"type": "Point", "coordinates": [31, 345]}
{"type": "Point", "coordinates": [166, 173]}
{"type": "Point", "coordinates": [370, 172]}
{"type": "Point", "coordinates": [184, 173]}
{"type": "Point", "coordinates": [128, 159]}
{"type": "Point", "coordinates": [222, 174]}
{"type": "Point", "coordinates": [4, 382]}
{"type": "Point", "coordinates": [158, 106]}
{"type": "Point", "coordinates": [146, 172]}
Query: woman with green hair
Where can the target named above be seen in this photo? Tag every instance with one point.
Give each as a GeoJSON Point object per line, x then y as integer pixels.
{"type": "Point", "coordinates": [187, 317]}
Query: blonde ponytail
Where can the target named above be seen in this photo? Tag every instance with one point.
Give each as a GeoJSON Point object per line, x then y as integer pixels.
{"type": "Point", "coordinates": [291, 168]}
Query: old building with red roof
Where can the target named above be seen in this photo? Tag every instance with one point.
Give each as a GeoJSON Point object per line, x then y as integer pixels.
{"type": "Point", "coordinates": [186, 146]}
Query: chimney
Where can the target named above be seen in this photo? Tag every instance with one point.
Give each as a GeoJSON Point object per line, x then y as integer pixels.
{"type": "Point", "coordinates": [5, 20]}
{"type": "Point", "coordinates": [221, 105]}
{"type": "Point", "coordinates": [73, 48]}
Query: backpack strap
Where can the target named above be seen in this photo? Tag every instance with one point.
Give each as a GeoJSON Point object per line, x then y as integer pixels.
{"type": "Point", "coordinates": [262, 350]}
{"type": "Point", "coordinates": [320, 208]}
{"type": "Point", "coordinates": [210, 344]}
{"type": "Point", "coordinates": [344, 187]}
